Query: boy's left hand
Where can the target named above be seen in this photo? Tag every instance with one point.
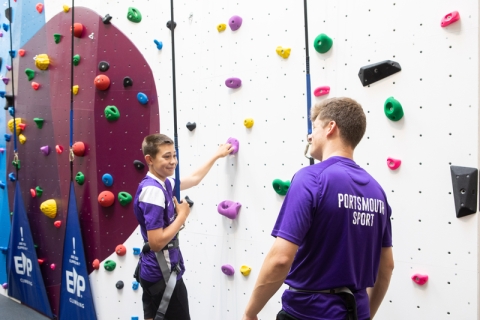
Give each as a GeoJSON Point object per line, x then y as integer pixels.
{"type": "Point", "coordinates": [224, 150]}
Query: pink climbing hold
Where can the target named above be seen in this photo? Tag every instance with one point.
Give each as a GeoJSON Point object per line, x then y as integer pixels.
{"type": "Point", "coordinates": [233, 83]}
{"type": "Point", "coordinates": [6, 80]}
{"type": "Point", "coordinates": [35, 85]}
{"type": "Point", "coordinates": [52, 266]}
{"type": "Point", "coordinates": [228, 269]}
{"type": "Point", "coordinates": [450, 18]}
{"type": "Point", "coordinates": [321, 91]}
{"type": "Point", "coordinates": [229, 208]}
{"type": "Point", "coordinates": [45, 150]}
{"type": "Point", "coordinates": [235, 145]}
{"type": "Point", "coordinates": [2, 150]}
{"type": "Point", "coordinates": [59, 149]}
{"type": "Point", "coordinates": [420, 279]}
{"type": "Point", "coordinates": [235, 23]}
{"type": "Point", "coordinates": [9, 68]}
{"type": "Point", "coordinates": [393, 163]}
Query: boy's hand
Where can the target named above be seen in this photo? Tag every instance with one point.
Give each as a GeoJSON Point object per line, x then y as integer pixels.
{"type": "Point", "coordinates": [224, 150]}
{"type": "Point", "coordinates": [182, 209]}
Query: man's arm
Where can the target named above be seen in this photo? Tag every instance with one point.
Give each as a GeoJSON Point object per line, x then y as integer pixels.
{"type": "Point", "coordinates": [274, 270]}
{"type": "Point", "coordinates": [197, 176]}
{"type": "Point", "coordinates": [377, 293]}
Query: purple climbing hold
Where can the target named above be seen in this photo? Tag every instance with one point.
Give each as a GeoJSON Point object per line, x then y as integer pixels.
{"type": "Point", "coordinates": [45, 150]}
{"type": "Point", "coordinates": [235, 23]}
{"type": "Point", "coordinates": [228, 270]}
{"type": "Point", "coordinates": [9, 68]}
{"type": "Point", "coordinates": [5, 286]}
{"type": "Point", "coordinates": [6, 80]}
{"type": "Point", "coordinates": [233, 83]}
{"type": "Point", "coordinates": [229, 208]}
{"type": "Point", "coordinates": [235, 144]}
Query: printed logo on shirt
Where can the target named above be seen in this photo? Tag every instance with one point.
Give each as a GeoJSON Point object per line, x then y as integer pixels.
{"type": "Point", "coordinates": [364, 208]}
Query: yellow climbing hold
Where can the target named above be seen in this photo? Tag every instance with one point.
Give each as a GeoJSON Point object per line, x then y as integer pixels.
{"type": "Point", "coordinates": [66, 8]}
{"type": "Point", "coordinates": [22, 138]}
{"type": "Point", "coordinates": [221, 27]}
{"type": "Point", "coordinates": [283, 52]}
{"type": "Point", "coordinates": [18, 121]}
{"type": "Point", "coordinates": [245, 270]}
{"type": "Point", "coordinates": [42, 61]}
{"type": "Point", "coordinates": [49, 208]}
{"type": "Point", "coordinates": [75, 89]}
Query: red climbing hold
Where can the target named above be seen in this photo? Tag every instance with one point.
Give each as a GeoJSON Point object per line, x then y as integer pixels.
{"type": "Point", "coordinates": [320, 91]}
{"type": "Point", "coordinates": [121, 250]}
{"type": "Point", "coordinates": [78, 149]}
{"type": "Point", "coordinates": [22, 126]}
{"type": "Point", "coordinates": [102, 82]}
{"type": "Point", "coordinates": [40, 261]}
{"type": "Point", "coordinates": [57, 224]}
{"type": "Point", "coordinates": [450, 18]}
{"type": "Point", "coordinates": [59, 148]}
{"type": "Point", "coordinates": [420, 279]}
{"type": "Point", "coordinates": [106, 198]}
{"type": "Point", "coordinates": [33, 193]}
{"type": "Point", "coordinates": [21, 52]}
{"type": "Point", "coordinates": [35, 85]}
{"type": "Point", "coordinates": [39, 7]}
{"type": "Point", "coordinates": [393, 163]}
{"type": "Point", "coordinates": [96, 264]}
{"type": "Point", "coordinates": [77, 30]}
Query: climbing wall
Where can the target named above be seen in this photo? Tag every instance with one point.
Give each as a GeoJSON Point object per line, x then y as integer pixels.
{"type": "Point", "coordinates": [437, 87]}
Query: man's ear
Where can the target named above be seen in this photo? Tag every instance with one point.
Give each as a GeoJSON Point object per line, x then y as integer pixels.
{"type": "Point", "coordinates": [332, 126]}
{"type": "Point", "coordinates": [148, 159]}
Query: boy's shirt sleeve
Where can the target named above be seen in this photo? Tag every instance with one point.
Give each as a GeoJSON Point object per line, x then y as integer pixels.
{"type": "Point", "coordinates": [387, 234]}
{"type": "Point", "coordinates": [152, 203]}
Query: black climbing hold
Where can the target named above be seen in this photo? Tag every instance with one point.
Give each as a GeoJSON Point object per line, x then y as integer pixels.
{"type": "Point", "coordinates": [139, 165]}
{"type": "Point", "coordinates": [127, 82]}
{"type": "Point", "coordinates": [106, 19]}
{"type": "Point", "coordinates": [169, 24]}
{"type": "Point", "coordinates": [189, 201]}
{"type": "Point", "coordinates": [377, 71]}
{"type": "Point", "coordinates": [103, 66]}
{"type": "Point", "coordinates": [465, 184]}
{"type": "Point", "coordinates": [191, 126]}
{"type": "Point", "coordinates": [119, 284]}
{"type": "Point", "coordinates": [8, 101]}
{"type": "Point", "coordinates": [8, 14]}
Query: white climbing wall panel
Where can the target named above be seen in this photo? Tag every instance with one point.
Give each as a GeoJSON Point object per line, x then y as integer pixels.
{"type": "Point", "coordinates": [438, 88]}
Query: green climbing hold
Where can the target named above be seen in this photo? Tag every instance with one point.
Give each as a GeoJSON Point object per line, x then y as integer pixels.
{"type": "Point", "coordinates": [112, 113]}
{"type": "Point", "coordinates": [134, 15]}
{"type": "Point", "coordinates": [322, 43]}
{"type": "Point", "coordinates": [80, 178]}
{"type": "Point", "coordinates": [16, 164]}
{"type": "Point", "coordinates": [39, 122]}
{"type": "Point", "coordinates": [39, 191]}
{"type": "Point", "coordinates": [281, 187]}
{"type": "Point", "coordinates": [393, 109]}
{"type": "Point", "coordinates": [109, 265]}
{"type": "Point", "coordinates": [76, 59]}
{"type": "Point", "coordinates": [30, 74]}
{"type": "Point", "coordinates": [57, 37]}
{"type": "Point", "coordinates": [124, 198]}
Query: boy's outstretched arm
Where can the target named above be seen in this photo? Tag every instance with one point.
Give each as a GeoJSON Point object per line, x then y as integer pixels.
{"type": "Point", "coordinates": [194, 179]}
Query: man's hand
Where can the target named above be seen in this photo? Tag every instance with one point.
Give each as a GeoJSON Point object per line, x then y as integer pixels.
{"type": "Point", "coordinates": [182, 209]}
{"type": "Point", "coordinates": [224, 150]}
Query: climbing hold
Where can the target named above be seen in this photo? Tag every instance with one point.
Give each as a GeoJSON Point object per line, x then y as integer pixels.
{"type": "Point", "coordinates": [119, 285]}
{"type": "Point", "coordinates": [221, 27]}
{"type": "Point", "coordinates": [103, 66]}
{"type": "Point", "coordinates": [106, 19]}
{"type": "Point", "coordinates": [35, 85]}
{"type": "Point", "coordinates": [233, 83]}
{"type": "Point", "coordinates": [189, 201]}
{"type": "Point", "coordinates": [450, 18]}
{"type": "Point", "coordinates": [107, 179]}
{"type": "Point", "coordinates": [40, 261]}
{"type": "Point", "coordinates": [378, 71]}
{"type": "Point", "coordinates": [229, 208]}
{"type": "Point", "coordinates": [393, 164]}
{"type": "Point", "coordinates": [75, 89]}
{"type": "Point", "coordinates": [33, 193]}
{"type": "Point", "coordinates": [38, 122]}
{"type": "Point", "coordinates": [228, 270]}
{"type": "Point", "coordinates": [109, 265]}
{"type": "Point", "coordinates": [245, 270]}
{"type": "Point", "coordinates": [59, 149]}
{"type": "Point", "coordinates": [21, 52]}
{"type": "Point", "coordinates": [42, 61]}
{"type": "Point", "coordinates": [5, 286]}
{"type": "Point", "coordinates": [235, 23]}
{"type": "Point", "coordinates": [159, 44]}
{"type": "Point", "coordinates": [52, 266]}
{"type": "Point", "coordinates": [9, 68]}
{"type": "Point", "coordinates": [281, 187]}
{"type": "Point", "coordinates": [5, 80]}
{"type": "Point", "coordinates": [39, 7]}
{"type": "Point", "coordinates": [124, 198]}
{"type": "Point", "coordinates": [96, 264]}
{"type": "Point", "coordinates": [248, 122]}
{"type": "Point", "coordinates": [322, 43]}
{"type": "Point", "coordinates": [465, 192]}
{"type": "Point", "coordinates": [77, 30]}
{"type": "Point", "coordinates": [30, 74]}
{"type": "Point", "coordinates": [57, 37]}
{"type": "Point", "coordinates": [102, 82]}
{"type": "Point", "coordinates": [106, 198]}
{"type": "Point", "coordinates": [321, 91]}
{"type": "Point", "coordinates": [135, 285]}
{"type": "Point", "coordinates": [38, 191]}
{"type": "Point", "coordinates": [45, 150]}
{"type": "Point", "coordinates": [66, 8]}
{"type": "Point", "coordinates": [8, 13]}
{"type": "Point", "coordinates": [420, 279]}
{"type": "Point", "coordinates": [57, 224]}
{"type": "Point", "coordinates": [18, 121]}
{"type": "Point", "coordinates": [11, 176]}
{"type": "Point", "coordinates": [80, 178]}
{"type": "Point", "coordinates": [16, 164]}
{"type": "Point", "coordinates": [142, 98]}
{"type": "Point", "coordinates": [78, 149]}
{"type": "Point", "coordinates": [393, 109]}
{"type": "Point", "coordinates": [136, 251]}
{"type": "Point", "coordinates": [139, 165]}
{"type": "Point", "coordinates": [169, 25]}
{"type": "Point", "coordinates": [7, 137]}
{"type": "Point", "coordinates": [112, 113]}
{"type": "Point", "coordinates": [91, 36]}
{"type": "Point", "coordinates": [22, 126]}
{"type": "Point", "coordinates": [1, 35]}
{"type": "Point", "coordinates": [235, 144]}
{"type": "Point", "coordinates": [8, 101]}
{"type": "Point", "coordinates": [127, 82]}
{"type": "Point", "coordinates": [76, 59]}
{"type": "Point", "coordinates": [2, 150]}
{"type": "Point", "coordinates": [191, 126]}
{"type": "Point", "coordinates": [120, 250]}
{"type": "Point", "coordinates": [5, 27]}
{"type": "Point", "coordinates": [283, 52]}
{"type": "Point", "coordinates": [2, 185]}
{"type": "Point", "coordinates": [49, 208]}
{"type": "Point", "coordinates": [134, 15]}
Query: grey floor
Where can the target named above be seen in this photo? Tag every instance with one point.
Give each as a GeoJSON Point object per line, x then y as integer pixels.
{"type": "Point", "coordinates": [12, 310]}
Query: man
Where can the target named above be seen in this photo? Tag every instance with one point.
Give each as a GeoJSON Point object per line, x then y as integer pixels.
{"type": "Point", "coordinates": [333, 233]}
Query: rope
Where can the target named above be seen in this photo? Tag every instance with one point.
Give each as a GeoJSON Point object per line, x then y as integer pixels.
{"type": "Point", "coordinates": [71, 155]}
{"type": "Point", "coordinates": [307, 71]}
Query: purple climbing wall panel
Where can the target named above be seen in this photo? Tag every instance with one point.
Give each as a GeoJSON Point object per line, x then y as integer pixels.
{"type": "Point", "coordinates": [111, 147]}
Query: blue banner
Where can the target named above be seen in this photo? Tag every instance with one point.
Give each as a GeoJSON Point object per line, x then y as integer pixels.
{"type": "Point", "coordinates": [25, 282]}
{"type": "Point", "coordinates": [76, 296]}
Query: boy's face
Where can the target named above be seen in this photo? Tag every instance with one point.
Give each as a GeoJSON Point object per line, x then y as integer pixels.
{"type": "Point", "coordinates": [163, 165]}
{"type": "Point", "coordinates": [317, 139]}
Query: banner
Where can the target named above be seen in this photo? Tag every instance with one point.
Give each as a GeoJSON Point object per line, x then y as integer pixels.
{"type": "Point", "coordinates": [76, 296]}
{"type": "Point", "coordinates": [25, 282]}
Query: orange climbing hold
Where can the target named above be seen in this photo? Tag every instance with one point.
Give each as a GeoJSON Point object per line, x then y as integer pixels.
{"type": "Point", "coordinates": [77, 30]}
{"type": "Point", "coordinates": [78, 149]}
{"type": "Point", "coordinates": [106, 198]}
{"type": "Point", "coordinates": [39, 7]}
{"type": "Point", "coordinates": [35, 85]}
{"type": "Point", "coordinates": [96, 264]}
{"type": "Point", "coordinates": [121, 250]}
{"type": "Point", "coordinates": [102, 82]}
{"type": "Point", "coordinates": [21, 52]}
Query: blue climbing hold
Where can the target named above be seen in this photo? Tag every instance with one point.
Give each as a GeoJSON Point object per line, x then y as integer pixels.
{"type": "Point", "coordinates": [107, 179]}
{"type": "Point", "coordinates": [136, 251]}
{"type": "Point", "coordinates": [2, 94]}
{"type": "Point", "coordinates": [12, 53]}
{"type": "Point", "coordinates": [5, 27]}
{"type": "Point", "coordinates": [8, 137]}
{"type": "Point", "coordinates": [142, 98]}
{"type": "Point", "coordinates": [159, 44]}
{"type": "Point", "coordinates": [2, 185]}
{"type": "Point", "coordinates": [11, 176]}
{"type": "Point", "coordinates": [11, 111]}
{"type": "Point", "coordinates": [134, 285]}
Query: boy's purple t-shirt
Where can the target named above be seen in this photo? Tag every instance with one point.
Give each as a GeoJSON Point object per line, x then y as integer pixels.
{"type": "Point", "coordinates": [151, 199]}
{"type": "Point", "coordinates": [339, 217]}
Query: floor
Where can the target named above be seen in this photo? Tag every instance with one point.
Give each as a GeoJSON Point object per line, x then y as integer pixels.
{"type": "Point", "coordinates": [12, 310]}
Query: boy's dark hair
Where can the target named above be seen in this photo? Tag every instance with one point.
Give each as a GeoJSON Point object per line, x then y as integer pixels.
{"type": "Point", "coordinates": [151, 143]}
